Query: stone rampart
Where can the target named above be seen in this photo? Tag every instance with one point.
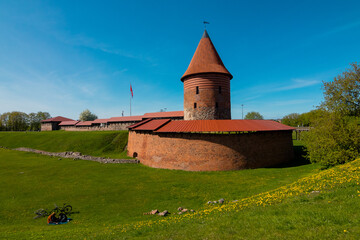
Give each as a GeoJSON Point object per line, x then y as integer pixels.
{"type": "Point", "coordinates": [108, 127]}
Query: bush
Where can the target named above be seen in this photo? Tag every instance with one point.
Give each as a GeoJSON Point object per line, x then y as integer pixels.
{"type": "Point", "coordinates": [333, 139]}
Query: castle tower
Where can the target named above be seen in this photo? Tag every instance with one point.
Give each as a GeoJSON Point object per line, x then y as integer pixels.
{"type": "Point", "coordinates": [206, 84]}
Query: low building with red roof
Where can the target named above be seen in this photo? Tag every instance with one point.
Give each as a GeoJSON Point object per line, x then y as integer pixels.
{"type": "Point", "coordinates": [53, 123]}
{"type": "Point", "coordinates": [105, 124]}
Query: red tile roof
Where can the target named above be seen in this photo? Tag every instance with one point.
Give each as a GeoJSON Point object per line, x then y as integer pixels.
{"type": "Point", "coordinates": [152, 125]}
{"type": "Point", "coordinates": [125, 119]}
{"type": "Point", "coordinates": [57, 119]}
{"type": "Point", "coordinates": [223, 126]}
{"type": "Point", "coordinates": [139, 123]}
{"type": "Point", "coordinates": [105, 120]}
{"type": "Point", "coordinates": [164, 114]}
{"type": "Point", "coordinates": [68, 123]}
{"type": "Point", "coordinates": [205, 59]}
{"type": "Point", "coordinates": [85, 123]}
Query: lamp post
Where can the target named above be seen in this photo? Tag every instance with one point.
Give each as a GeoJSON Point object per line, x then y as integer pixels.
{"type": "Point", "coordinates": [242, 111]}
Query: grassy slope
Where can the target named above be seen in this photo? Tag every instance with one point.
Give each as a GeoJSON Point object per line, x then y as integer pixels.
{"type": "Point", "coordinates": [110, 195]}
{"type": "Point", "coordinates": [331, 215]}
{"type": "Point", "coordinates": [294, 211]}
{"type": "Point", "coordinates": [107, 143]}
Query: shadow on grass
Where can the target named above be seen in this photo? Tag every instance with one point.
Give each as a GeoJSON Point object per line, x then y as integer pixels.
{"type": "Point", "coordinates": [299, 158]}
{"type": "Point", "coordinates": [77, 212]}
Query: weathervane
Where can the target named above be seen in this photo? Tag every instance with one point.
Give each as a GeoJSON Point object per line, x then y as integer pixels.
{"type": "Point", "coordinates": [205, 24]}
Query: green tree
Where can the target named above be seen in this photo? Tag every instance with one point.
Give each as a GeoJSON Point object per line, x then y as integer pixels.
{"type": "Point", "coordinates": [335, 134]}
{"type": "Point", "coordinates": [17, 121]}
{"type": "Point", "coordinates": [86, 115]}
{"type": "Point", "coordinates": [303, 120]}
{"type": "Point", "coordinates": [254, 115]}
{"type": "Point", "coordinates": [292, 119]}
{"type": "Point", "coordinates": [35, 120]}
{"type": "Point", "coordinates": [342, 95]}
{"type": "Point", "coordinates": [334, 139]}
{"type": "Point", "coordinates": [2, 127]}
{"type": "Point", "coordinates": [4, 118]}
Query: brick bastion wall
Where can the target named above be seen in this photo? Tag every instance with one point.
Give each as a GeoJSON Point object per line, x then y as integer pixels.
{"type": "Point", "coordinates": [211, 152]}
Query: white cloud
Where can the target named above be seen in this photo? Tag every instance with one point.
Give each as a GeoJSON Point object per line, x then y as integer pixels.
{"type": "Point", "coordinates": [296, 84]}
{"type": "Point", "coordinates": [292, 102]}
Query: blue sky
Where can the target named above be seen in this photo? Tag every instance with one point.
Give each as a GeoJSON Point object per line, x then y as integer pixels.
{"type": "Point", "coordinates": [65, 56]}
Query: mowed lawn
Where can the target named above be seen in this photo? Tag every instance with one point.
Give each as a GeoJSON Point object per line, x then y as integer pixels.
{"type": "Point", "coordinates": [106, 196]}
{"type": "Point", "coordinates": [96, 143]}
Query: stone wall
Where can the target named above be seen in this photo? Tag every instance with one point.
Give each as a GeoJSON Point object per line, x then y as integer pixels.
{"type": "Point", "coordinates": [211, 152]}
{"type": "Point", "coordinates": [49, 126]}
{"type": "Point", "coordinates": [109, 127]}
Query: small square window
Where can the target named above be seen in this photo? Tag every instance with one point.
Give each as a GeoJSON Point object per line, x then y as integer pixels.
{"type": "Point", "coordinates": [197, 90]}
{"type": "Point", "coordinates": [194, 105]}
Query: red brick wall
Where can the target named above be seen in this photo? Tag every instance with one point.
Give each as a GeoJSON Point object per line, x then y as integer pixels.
{"type": "Point", "coordinates": [211, 152]}
{"type": "Point", "coordinates": [207, 97]}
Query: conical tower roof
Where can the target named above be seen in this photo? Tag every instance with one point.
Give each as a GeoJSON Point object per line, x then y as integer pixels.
{"type": "Point", "coordinates": [206, 59]}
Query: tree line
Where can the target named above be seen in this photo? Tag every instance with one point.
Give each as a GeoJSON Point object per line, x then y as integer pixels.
{"type": "Point", "coordinates": [334, 136]}
{"type": "Point", "coordinates": [20, 121]}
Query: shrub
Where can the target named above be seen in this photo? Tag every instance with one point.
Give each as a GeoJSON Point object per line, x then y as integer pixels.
{"type": "Point", "coordinates": [333, 139]}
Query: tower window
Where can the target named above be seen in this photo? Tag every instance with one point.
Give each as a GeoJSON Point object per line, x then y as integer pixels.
{"type": "Point", "coordinates": [220, 89]}
{"type": "Point", "coordinates": [216, 105]}
{"type": "Point", "coordinates": [195, 105]}
{"type": "Point", "coordinates": [197, 90]}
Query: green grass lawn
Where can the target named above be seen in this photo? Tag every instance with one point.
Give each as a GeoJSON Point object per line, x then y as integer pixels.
{"type": "Point", "coordinates": [331, 215]}
{"type": "Point", "coordinates": [97, 143]}
{"type": "Point", "coordinates": [321, 206]}
{"type": "Point", "coordinates": [110, 195]}
{"type": "Point", "coordinates": [110, 199]}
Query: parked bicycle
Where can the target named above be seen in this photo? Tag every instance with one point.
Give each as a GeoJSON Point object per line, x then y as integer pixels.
{"type": "Point", "coordinates": [65, 209]}
{"type": "Point", "coordinates": [41, 213]}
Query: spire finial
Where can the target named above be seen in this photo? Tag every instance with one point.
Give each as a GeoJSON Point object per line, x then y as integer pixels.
{"type": "Point", "coordinates": [205, 22]}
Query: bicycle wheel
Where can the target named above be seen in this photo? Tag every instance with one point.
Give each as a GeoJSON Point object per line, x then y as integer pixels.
{"type": "Point", "coordinates": [41, 213]}
{"type": "Point", "coordinates": [67, 209]}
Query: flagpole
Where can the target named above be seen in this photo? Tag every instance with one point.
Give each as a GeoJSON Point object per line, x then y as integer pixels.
{"type": "Point", "coordinates": [131, 96]}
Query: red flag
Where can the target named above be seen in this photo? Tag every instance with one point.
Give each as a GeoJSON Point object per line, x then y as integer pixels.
{"type": "Point", "coordinates": [132, 94]}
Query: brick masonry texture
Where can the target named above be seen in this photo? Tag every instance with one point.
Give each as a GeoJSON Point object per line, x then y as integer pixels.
{"type": "Point", "coordinates": [49, 126]}
{"type": "Point", "coordinates": [211, 152]}
{"type": "Point", "coordinates": [211, 103]}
